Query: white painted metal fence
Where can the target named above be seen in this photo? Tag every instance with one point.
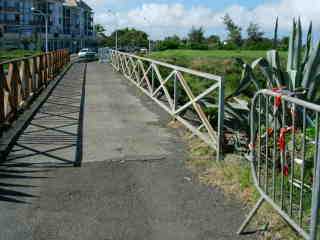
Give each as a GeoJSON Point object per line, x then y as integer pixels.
{"type": "Point", "coordinates": [169, 86]}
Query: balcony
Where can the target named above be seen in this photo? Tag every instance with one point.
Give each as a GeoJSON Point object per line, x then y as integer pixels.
{"type": "Point", "coordinates": [10, 22]}
{"type": "Point", "coordinates": [9, 9]}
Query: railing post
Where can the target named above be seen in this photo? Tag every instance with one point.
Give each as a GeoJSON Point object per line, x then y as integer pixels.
{"type": "Point", "coordinates": [34, 73]}
{"type": "Point", "coordinates": [26, 78]}
{"type": "Point", "coordinates": [152, 79]}
{"type": "Point", "coordinates": [220, 139]}
{"type": "Point", "coordinates": [41, 70]}
{"type": "Point", "coordinates": [13, 79]}
{"type": "Point", "coordinates": [50, 66]}
{"type": "Point", "coordinates": [175, 94]}
{"type": "Point", "coordinates": [45, 56]}
{"type": "Point", "coordinates": [55, 63]}
{"type": "Point", "coordinates": [2, 84]}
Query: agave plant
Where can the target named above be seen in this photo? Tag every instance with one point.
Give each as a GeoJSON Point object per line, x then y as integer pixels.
{"type": "Point", "coordinates": [302, 73]}
{"type": "Point", "coordinates": [301, 76]}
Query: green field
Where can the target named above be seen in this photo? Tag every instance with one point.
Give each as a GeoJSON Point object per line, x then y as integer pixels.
{"type": "Point", "coordinates": [218, 62]}
{"type": "Point", "coordinates": [214, 54]}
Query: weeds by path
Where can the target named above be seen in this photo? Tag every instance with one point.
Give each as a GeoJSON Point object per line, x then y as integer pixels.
{"type": "Point", "coordinates": [233, 176]}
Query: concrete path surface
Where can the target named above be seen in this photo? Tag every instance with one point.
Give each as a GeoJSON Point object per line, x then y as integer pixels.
{"type": "Point", "coordinates": [132, 183]}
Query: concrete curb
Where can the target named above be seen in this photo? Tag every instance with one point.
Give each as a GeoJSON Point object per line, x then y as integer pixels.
{"type": "Point", "coordinates": [9, 137]}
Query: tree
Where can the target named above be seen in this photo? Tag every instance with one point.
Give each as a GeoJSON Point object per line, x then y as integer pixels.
{"type": "Point", "coordinates": [98, 28]}
{"type": "Point", "coordinates": [196, 35]}
{"type": "Point", "coordinates": [170, 43]}
{"type": "Point", "coordinates": [284, 43]}
{"type": "Point", "coordinates": [234, 31]}
{"type": "Point", "coordinates": [214, 42]}
{"type": "Point", "coordinates": [197, 39]}
{"type": "Point", "coordinates": [128, 38]}
{"type": "Point", "coordinates": [213, 39]}
{"type": "Point", "coordinates": [254, 32]}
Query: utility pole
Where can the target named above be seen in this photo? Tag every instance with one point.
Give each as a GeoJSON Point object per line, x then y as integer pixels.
{"type": "Point", "coordinates": [45, 16]}
{"type": "Point", "coordinates": [116, 31]}
{"type": "Point", "coordinates": [150, 36]}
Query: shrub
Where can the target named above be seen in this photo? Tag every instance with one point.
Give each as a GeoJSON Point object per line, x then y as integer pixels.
{"type": "Point", "coordinates": [199, 46]}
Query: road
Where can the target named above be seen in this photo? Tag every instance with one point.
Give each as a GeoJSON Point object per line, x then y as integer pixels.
{"type": "Point", "coordinates": [132, 183]}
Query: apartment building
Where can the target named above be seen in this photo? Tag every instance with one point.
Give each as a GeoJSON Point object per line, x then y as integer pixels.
{"type": "Point", "coordinates": [70, 23]}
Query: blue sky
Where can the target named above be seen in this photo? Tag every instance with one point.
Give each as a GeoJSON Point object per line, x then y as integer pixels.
{"type": "Point", "coordinates": [161, 18]}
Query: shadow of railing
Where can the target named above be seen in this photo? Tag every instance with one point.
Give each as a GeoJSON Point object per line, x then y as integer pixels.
{"type": "Point", "coordinates": [52, 140]}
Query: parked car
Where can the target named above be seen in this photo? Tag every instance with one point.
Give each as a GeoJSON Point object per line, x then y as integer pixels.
{"type": "Point", "coordinates": [143, 50]}
{"type": "Point", "coordinates": [87, 54]}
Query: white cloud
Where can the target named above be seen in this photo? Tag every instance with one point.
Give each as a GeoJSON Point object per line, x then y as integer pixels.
{"type": "Point", "coordinates": [166, 19]}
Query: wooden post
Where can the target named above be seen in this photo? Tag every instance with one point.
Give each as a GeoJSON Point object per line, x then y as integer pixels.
{"type": "Point", "coordinates": [41, 75]}
{"type": "Point", "coordinates": [35, 74]}
{"type": "Point", "coordinates": [26, 78]}
{"type": "Point", "coordinates": [14, 79]}
{"type": "Point", "coordinates": [2, 107]}
{"type": "Point", "coordinates": [45, 70]}
{"type": "Point", "coordinates": [54, 64]}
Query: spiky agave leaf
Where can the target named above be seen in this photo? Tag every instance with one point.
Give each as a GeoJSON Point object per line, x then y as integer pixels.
{"type": "Point", "coordinates": [275, 38]}
{"type": "Point", "coordinates": [274, 60]}
{"type": "Point", "coordinates": [297, 55]}
{"type": "Point", "coordinates": [291, 46]}
{"type": "Point", "coordinates": [307, 48]}
{"type": "Point", "coordinates": [311, 73]}
{"type": "Point", "coordinates": [235, 112]}
{"type": "Point", "coordinates": [294, 55]}
{"type": "Point", "coordinates": [247, 78]}
{"type": "Point", "coordinates": [266, 70]}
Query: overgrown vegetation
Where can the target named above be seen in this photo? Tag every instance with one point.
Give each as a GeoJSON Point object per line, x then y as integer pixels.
{"type": "Point", "coordinates": [233, 176]}
{"type": "Point", "coordinates": [8, 55]}
{"type": "Point", "coordinates": [219, 62]}
{"type": "Point", "coordinates": [129, 39]}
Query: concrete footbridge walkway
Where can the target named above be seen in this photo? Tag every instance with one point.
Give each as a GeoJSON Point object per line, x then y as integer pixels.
{"type": "Point", "coordinates": [98, 162]}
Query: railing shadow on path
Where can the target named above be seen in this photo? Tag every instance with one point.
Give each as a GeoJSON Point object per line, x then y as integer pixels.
{"type": "Point", "coordinates": [52, 140]}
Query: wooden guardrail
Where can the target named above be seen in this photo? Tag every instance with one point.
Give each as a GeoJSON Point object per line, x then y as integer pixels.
{"type": "Point", "coordinates": [22, 79]}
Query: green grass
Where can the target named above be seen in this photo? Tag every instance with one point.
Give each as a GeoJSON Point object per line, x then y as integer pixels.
{"type": "Point", "coordinates": [218, 62]}
{"type": "Point", "coordinates": [211, 54]}
{"type": "Point", "coordinates": [9, 55]}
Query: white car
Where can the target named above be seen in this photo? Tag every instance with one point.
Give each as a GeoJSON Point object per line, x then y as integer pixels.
{"type": "Point", "coordinates": [87, 53]}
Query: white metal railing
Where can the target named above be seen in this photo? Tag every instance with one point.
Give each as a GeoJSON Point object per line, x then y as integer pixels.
{"type": "Point", "coordinates": [169, 87]}
{"type": "Point", "coordinates": [104, 55]}
{"type": "Point", "coordinates": [285, 158]}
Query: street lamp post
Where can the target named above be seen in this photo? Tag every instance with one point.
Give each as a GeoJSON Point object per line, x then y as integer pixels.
{"type": "Point", "coordinates": [149, 37]}
{"type": "Point", "coordinates": [116, 40]}
{"type": "Point", "coordinates": [116, 31]}
{"type": "Point", "coordinates": [45, 16]}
